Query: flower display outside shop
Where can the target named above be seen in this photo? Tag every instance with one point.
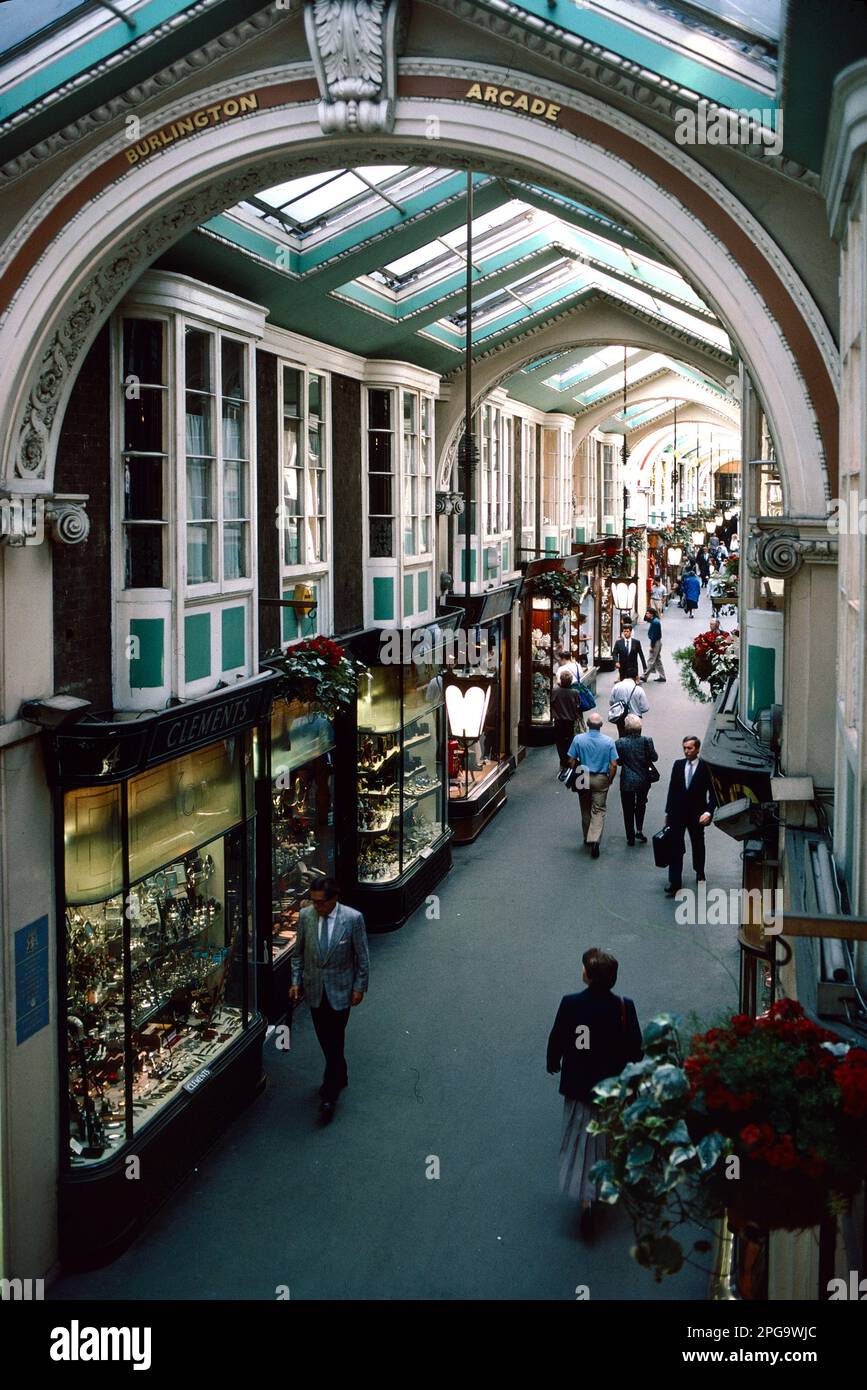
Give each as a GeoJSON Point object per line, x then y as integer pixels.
{"type": "Point", "coordinates": [564, 588]}
{"type": "Point", "coordinates": [320, 672]}
{"type": "Point", "coordinates": [707, 664]}
{"type": "Point", "coordinates": [764, 1119]}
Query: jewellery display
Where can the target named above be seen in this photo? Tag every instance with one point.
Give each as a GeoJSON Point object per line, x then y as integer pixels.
{"type": "Point", "coordinates": [302, 845]}
{"type": "Point", "coordinates": [399, 773]}
{"type": "Point", "coordinates": [173, 941]}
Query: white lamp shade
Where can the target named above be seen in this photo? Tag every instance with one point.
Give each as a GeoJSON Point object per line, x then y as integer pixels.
{"type": "Point", "coordinates": [623, 592]}
{"type": "Point", "coordinates": [718, 521]}
{"type": "Point", "coordinates": [467, 708]}
{"type": "Point", "coordinates": [698, 537]}
{"type": "Point", "coordinates": [675, 554]}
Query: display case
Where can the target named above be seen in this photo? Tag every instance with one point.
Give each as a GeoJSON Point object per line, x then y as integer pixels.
{"type": "Point", "coordinates": [155, 962]}
{"type": "Point", "coordinates": [552, 633]}
{"type": "Point", "coordinates": [302, 814]}
{"type": "Point", "coordinates": [160, 1036]}
{"type": "Point", "coordinates": [394, 843]}
{"type": "Point", "coordinates": [400, 793]}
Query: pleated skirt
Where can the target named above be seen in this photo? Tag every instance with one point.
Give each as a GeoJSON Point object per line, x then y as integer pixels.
{"type": "Point", "coordinates": [578, 1152]}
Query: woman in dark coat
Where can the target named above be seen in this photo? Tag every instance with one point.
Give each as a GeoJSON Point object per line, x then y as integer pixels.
{"type": "Point", "coordinates": [595, 1034]}
{"type": "Point", "coordinates": [635, 753]}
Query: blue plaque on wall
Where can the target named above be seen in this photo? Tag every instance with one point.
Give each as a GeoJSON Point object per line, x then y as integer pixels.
{"type": "Point", "coordinates": [31, 978]}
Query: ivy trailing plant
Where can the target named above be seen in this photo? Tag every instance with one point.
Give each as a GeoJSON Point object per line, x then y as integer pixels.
{"type": "Point", "coordinates": [653, 1167]}
{"type": "Point", "coordinates": [564, 588]}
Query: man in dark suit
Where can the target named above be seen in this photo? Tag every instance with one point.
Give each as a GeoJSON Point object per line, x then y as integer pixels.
{"type": "Point", "coordinates": [331, 962]}
{"type": "Point", "coordinates": [626, 652]}
{"type": "Point", "coordinates": [688, 809]}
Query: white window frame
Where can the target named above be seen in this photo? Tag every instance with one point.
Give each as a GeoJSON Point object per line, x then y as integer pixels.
{"type": "Point", "coordinates": [307, 571]}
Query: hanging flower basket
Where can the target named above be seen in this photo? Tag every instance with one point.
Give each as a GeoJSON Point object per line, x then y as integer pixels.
{"type": "Point", "coordinates": [320, 673]}
{"type": "Point", "coordinates": [709, 661]}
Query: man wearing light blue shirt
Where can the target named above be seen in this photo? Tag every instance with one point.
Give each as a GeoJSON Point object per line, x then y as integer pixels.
{"type": "Point", "coordinates": [595, 753]}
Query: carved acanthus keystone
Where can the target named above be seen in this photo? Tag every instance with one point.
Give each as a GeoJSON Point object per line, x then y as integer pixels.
{"type": "Point", "coordinates": [353, 46]}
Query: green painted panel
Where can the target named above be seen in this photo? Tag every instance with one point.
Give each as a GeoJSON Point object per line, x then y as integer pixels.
{"type": "Point", "coordinates": [407, 595]}
{"type": "Point", "coordinates": [383, 600]}
{"type": "Point", "coordinates": [761, 663]}
{"type": "Point", "coordinates": [579, 535]}
{"type": "Point", "coordinates": [290, 622]}
{"type": "Point", "coordinates": [146, 667]}
{"type": "Point", "coordinates": [550, 545]}
{"type": "Point", "coordinates": [464, 566]}
{"type": "Point", "coordinates": [422, 590]}
{"type": "Point", "coordinates": [197, 646]}
{"type": "Point", "coordinates": [507, 554]}
{"type": "Point", "coordinates": [233, 635]}
{"type": "Point", "coordinates": [609, 528]}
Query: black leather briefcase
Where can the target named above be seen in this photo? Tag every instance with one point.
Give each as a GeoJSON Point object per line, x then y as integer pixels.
{"type": "Point", "coordinates": [662, 847]}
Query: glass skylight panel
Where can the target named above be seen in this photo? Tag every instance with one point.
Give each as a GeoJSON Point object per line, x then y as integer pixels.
{"type": "Point", "coordinates": [414, 260]}
{"type": "Point", "coordinates": [24, 19]}
{"type": "Point", "coordinates": [325, 198]}
{"type": "Point", "coordinates": [588, 366]}
{"type": "Point", "coordinates": [542, 362]}
{"type": "Point", "coordinates": [637, 372]}
{"type": "Point", "coordinates": [283, 193]}
{"type": "Point", "coordinates": [458, 238]}
{"type": "Point", "coordinates": [381, 173]}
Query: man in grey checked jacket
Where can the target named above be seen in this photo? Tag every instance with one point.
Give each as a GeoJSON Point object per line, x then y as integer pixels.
{"type": "Point", "coordinates": [331, 963]}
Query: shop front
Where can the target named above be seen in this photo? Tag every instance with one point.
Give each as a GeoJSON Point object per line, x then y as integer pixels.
{"type": "Point", "coordinates": [556, 612]}
{"type": "Point", "coordinates": [160, 1031]}
{"type": "Point", "coordinates": [394, 842]}
{"type": "Point", "coordinates": [479, 768]}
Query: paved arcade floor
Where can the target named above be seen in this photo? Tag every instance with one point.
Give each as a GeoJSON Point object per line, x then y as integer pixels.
{"type": "Point", "coordinates": [447, 1058]}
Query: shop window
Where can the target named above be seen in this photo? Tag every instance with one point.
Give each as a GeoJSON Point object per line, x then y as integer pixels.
{"type": "Point", "coordinates": [399, 474]}
{"type": "Point", "coordinates": [302, 791]}
{"type": "Point", "coordinates": [305, 494]}
{"type": "Point", "coordinates": [401, 794]}
{"type": "Point", "coordinates": [157, 930]}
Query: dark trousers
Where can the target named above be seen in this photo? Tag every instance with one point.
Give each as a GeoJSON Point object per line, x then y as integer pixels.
{"type": "Point", "coordinates": [634, 803]}
{"type": "Point", "coordinates": [679, 830]}
{"type": "Point", "coordinates": [564, 732]}
{"type": "Point", "coordinates": [330, 1025]}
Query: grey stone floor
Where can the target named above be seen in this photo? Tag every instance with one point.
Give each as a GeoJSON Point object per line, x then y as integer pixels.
{"type": "Point", "coordinates": [447, 1058]}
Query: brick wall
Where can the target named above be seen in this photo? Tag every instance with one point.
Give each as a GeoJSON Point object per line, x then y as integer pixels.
{"type": "Point", "coordinates": [82, 573]}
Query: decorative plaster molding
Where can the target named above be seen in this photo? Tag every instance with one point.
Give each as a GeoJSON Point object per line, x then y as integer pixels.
{"type": "Point", "coordinates": [607, 71]}
{"type": "Point", "coordinates": [353, 46]}
{"type": "Point", "coordinates": [185, 295]}
{"type": "Point", "coordinates": [319, 357]}
{"type": "Point", "coordinates": [779, 546]}
{"type": "Point", "coordinates": [845, 143]}
{"type": "Point", "coordinates": [66, 518]}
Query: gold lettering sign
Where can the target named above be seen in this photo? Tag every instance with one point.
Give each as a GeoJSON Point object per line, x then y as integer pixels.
{"type": "Point", "coordinates": [514, 101]}
{"type": "Point", "coordinates": [188, 125]}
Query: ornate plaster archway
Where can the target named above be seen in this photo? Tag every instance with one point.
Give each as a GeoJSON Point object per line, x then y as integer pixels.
{"type": "Point", "coordinates": [72, 259]}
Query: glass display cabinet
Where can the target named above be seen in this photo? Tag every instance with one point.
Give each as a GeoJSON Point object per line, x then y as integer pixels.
{"type": "Point", "coordinates": [300, 783]}
{"type": "Point", "coordinates": [552, 634]}
{"type": "Point", "coordinates": [394, 762]}
{"type": "Point", "coordinates": [160, 1034]}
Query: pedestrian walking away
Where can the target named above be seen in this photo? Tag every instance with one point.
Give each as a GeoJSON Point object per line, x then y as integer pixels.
{"type": "Point", "coordinates": [654, 637]}
{"type": "Point", "coordinates": [691, 592]}
{"type": "Point", "coordinates": [627, 652]}
{"type": "Point", "coordinates": [595, 753]}
{"type": "Point", "coordinates": [627, 697]}
{"type": "Point", "coordinates": [688, 809]}
{"type": "Point", "coordinates": [595, 1034]}
{"type": "Point", "coordinates": [659, 594]}
{"type": "Point", "coordinates": [566, 714]}
{"type": "Point", "coordinates": [331, 963]}
{"type": "Point", "coordinates": [636, 756]}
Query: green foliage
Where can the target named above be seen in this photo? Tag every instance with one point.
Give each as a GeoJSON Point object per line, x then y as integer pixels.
{"type": "Point", "coordinates": [564, 588]}
{"type": "Point", "coordinates": [653, 1167]}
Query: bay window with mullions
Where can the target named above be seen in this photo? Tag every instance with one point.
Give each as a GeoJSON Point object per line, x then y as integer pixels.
{"type": "Point", "coordinates": [183, 490]}
{"type": "Point", "coordinates": [399, 504]}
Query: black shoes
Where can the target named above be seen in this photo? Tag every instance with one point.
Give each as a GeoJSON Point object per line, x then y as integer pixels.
{"type": "Point", "coordinates": [670, 892]}
{"type": "Point", "coordinates": [594, 850]}
{"type": "Point", "coordinates": [700, 878]}
{"type": "Point", "coordinates": [631, 843]}
{"type": "Point", "coordinates": [326, 1111]}
{"type": "Point", "coordinates": [642, 839]}
{"type": "Point", "coordinates": [585, 1224]}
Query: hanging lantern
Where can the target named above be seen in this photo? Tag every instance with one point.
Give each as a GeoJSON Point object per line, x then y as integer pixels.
{"type": "Point", "coordinates": [674, 555]}
{"type": "Point", "coordinates": [698, 537]}
{"type": "Point", "coordinates": [718, 519]}
{"type": "Point", "coordinates": [623, 591]}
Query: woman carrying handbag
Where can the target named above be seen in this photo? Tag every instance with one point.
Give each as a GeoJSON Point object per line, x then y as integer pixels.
{"type": "Point", "coordinates": [636, 755]}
